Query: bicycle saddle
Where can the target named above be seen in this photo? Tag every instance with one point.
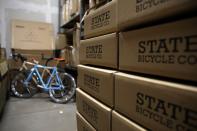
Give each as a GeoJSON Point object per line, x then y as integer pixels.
{"type": "Point", "coordinates": [59, 59]}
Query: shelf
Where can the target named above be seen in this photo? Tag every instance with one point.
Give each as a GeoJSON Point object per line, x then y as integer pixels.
{"type": "Point", "coordinates": [71, 23]}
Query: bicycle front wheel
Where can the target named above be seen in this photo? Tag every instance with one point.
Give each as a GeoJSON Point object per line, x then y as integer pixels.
{"type": "Point", "coordinates": [64, 94]}
{"type": "Point", "coordinates": [18, 87]}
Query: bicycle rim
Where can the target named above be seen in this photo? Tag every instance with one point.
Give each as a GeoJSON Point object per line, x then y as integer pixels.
{"type": "Point", "coordinates": [66, 93]}
{"type": "Point", "coordinates": [18, 87]}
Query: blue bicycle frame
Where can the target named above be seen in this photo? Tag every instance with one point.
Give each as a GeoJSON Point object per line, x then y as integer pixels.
{"type": "Point", "coordinates": [45, 86]}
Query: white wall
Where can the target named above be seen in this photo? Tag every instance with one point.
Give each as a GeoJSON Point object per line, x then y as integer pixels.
{"type": "Point", "coordinates": [34, 10]}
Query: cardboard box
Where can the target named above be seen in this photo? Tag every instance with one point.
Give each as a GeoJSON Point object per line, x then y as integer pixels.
{"type": "Point", "coordinates": [65, 54]}
{"type": "Point", "coordinates": [97, 82]}
{"type": "Point", "coordinates": [92, 3]}
{"type": "Point", "coordinates": [60, 41]}
{"type": "Point", "coordinates": [97, 114]}
{"type": "Point", "coordinates": [121, 123]}
{"type": "Point", "coordinates": [102, 51]}
{"type": "Point", "coordinates": [76, 36]}
{"type": "Point", "coordinates": [76, 44]}
{"type": "Point", "coordinates": [64, 14]}
{"type": "Point", "coordinates": [82, 124]}
{"type": "Point", "coordinates": [29, 35]}
{"type": "Point", "coordinates": [3, 53]}
{"type": "Point", "coordinates": [75, 57]}
{"type": "Point", "coordinates": [155, 104]}
{"type": "Point", "coordinates": [4, 86]}
{"type": "Point", "coordinates": [136, 12]}
{"type": "Point", "coordinates": [3, 67]}
{"type": "Point", "coordinates": [39, 55]}
{"type": "Point", "coordinates": [66, 11]}
{"type": "Point", "coordinates": [165, 50]}
{"type": "Point", "coordinates": [75, 4]}
{"type": "Point", "coordinates": [17, 64]}
{"type": "Point", "coordinates": [101, 21]}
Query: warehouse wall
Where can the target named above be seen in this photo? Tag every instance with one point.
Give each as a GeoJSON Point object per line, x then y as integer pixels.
{"type": "Point", "coordinates": [34, 10]}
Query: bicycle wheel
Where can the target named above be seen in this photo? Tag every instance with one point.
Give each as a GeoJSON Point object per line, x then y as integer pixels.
{"type": "Point", "coordinates": [67, 92]}
{"type": "Point", "coordinates": [18, 87]}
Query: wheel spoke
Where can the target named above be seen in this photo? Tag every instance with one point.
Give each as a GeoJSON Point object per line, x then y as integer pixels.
{"type": "Point", "coordinates": [67, 89]}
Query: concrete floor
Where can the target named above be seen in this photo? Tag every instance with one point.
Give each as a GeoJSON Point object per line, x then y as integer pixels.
{"type": "Point", "coordinates": [38, 114]}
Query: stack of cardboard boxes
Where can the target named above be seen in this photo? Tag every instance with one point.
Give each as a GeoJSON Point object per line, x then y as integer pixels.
{"type": "Point", "coordinates": [36, 40]}
{"type": "Point", "coordinates": [32, 39]}
{"type": "Point", "coordinates": [70, 8]}
{"type": "Point", "coordinates": [69, 46]}
{"type": "Point", "coordinates": [155, 43]}
{"type": "Point", "coordinates": [167, 49]}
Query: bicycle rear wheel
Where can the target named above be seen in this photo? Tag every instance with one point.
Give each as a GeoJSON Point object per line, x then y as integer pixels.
{"type": "Point", "coordinates": [67, 92]}
{"type": "Point", "coordinates": [18, 87]}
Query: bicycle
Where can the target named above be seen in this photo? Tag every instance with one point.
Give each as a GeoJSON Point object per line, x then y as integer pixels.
{"type": "Point", "coordinates": [60, 85]}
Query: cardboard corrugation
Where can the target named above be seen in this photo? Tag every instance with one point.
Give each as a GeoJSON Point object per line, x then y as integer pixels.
{"type": "Point", "coordinates": [29, 35]}
{"type": "Point", "coordinates": [101, 51]}
{"type": "Point", "coordinates": [97, 82]}
{"type": "Point", "coordinates": [165, 50]}
{"type": "Point", "coordinates": [121, 123]}
{"type": "Point", "coordinates": [82, 124]}
{"type": "Point", "coordinates": [137, 12]}
{"type": "Point", "coordinates": [96, 113]}
{"type": "Point", "coordinates": [155, 104]}
{"type": "Point", "coordinates": [101, 21]}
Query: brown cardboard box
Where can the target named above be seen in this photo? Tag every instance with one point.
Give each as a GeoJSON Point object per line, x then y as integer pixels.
{"type": "Point", "coordinates": [76, 45]}
{"type": "Point", "coordinates": [97, 82]}
{"type": "Point", "coordinates": [165, 50]}
{"type": "Point", "coordinates": [101, 21]}
{"type": "Point", "coordinates": [60, 41]}
{"type": "Point", "coordinates": [155, 104]}
{"type": "Point", "coordinates": [93, 111]}
{"type": "Point", "coordinates": [39, 55]}
{"type": "Point", "coordinates": [29, 35]}
{"type": "Point", "coordinates": [76, 36]}
{"type": "Point", "coordinates": [3, 84]}
{"type": "Point", "coordinates": [120, 123]}
{"type": "Point", "coordinates": [82, 124]}
{"type": "Point", "coordinates": [64, 14]}
{"type": "Point", "coordinates": [102, 51]}
{"type": "Point", "coordinates": [65, 54]}
{"type": "Point", "coordinates": [136, 12]}
{"type": "Point", "coordinates": [3, 53]}
{"type": "Point", "coordinates": [70, 55]}
{"type": "Point", "coordinates": [17, 64]}
{"type": "Point", "coordinates": [66, 11]}
{"type": "Point", "coordinates": [92, 3]}
{"type": "Point", "coordinates": [3, 67]}
{"type": "Point", "coordinates": [75, 6]}
{"type": "Point", "coordinates": [75, 57]}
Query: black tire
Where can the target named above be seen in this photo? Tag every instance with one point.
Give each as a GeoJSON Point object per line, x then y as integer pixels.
{"type": "Point", "coordinates": [64, 95]}
{"type": "Point", "coordinates": [19, 89]}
